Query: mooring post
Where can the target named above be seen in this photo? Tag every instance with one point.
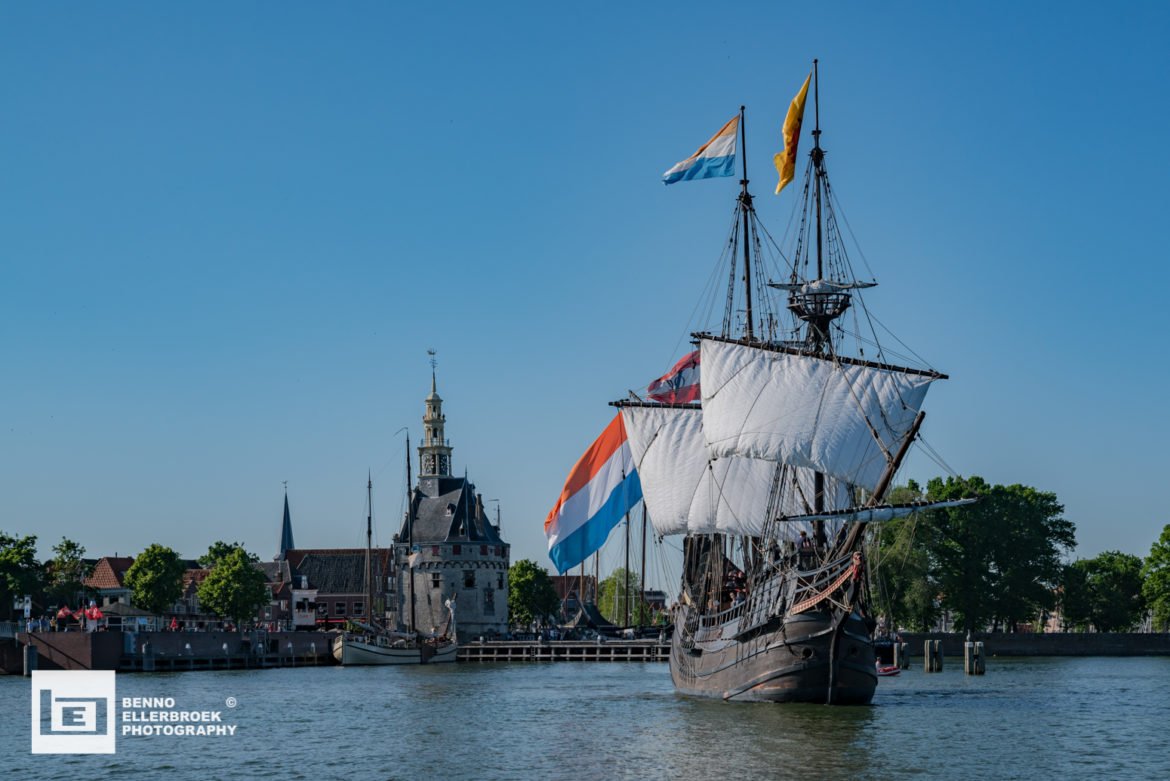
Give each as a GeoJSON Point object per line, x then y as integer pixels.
{"type": "Point", "coordinates": [905, 665]}
{"type": "Point", "coordinates": [30, 659]}
{"type": "Point", "coordinates": [968, 658]}
{"type": "Point", "coordinates": [147, 657]}
{"type": "Point", "coordinates": [933, 661]}
{"type": "Point", "coordinates": [980, 659]}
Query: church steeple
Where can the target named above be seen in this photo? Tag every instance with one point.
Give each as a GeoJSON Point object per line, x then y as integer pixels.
{"type": "Point", "coordinates": [286, 538]}
{"type": "Point", "coordinates": [434, 454]}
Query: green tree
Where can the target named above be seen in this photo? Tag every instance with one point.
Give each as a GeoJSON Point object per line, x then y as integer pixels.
{"type": "Point", "coordinates": [903, 582]}
{"type": "Point", "coordinates": [902, 578]}
{"type": "Point", "coordinates": [959, 543]}
{"type": "Point", "coordinates": [531, 595]}
{"type": "Point", "coordinates": [1076, 604]}
{"type": "Point", "coordinates": [219, 551]}
{"type": "Point", "coordinates": [1106, 592]}
{"type": "Point", "coordinates": [68, 571]}
{"type": "Point", "coordinates": [611, 599]}
{"type": "Point", "coordinates": [998, 559]}
{"type": "Point", "coordinates": [234, 588]}
{"type": "Point", "coordinates": [1156, 575]}
{"type": "Point", "coordinates": [155, 579]}
{"type": "Point", "coordinates": [20, 572]}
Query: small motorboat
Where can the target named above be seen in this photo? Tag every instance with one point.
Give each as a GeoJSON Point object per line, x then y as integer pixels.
{"type": "Point", "coordinates": [888, 670]}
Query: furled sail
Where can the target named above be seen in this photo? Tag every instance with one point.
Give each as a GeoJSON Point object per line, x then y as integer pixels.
{"type": "Point", "coordinates": [843, 418]}
{"type": "Point", "coordinates": [686, 491]}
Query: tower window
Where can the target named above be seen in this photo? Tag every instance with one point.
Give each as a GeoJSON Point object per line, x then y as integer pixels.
{"type": "Point", "coordinates": [468, 578]}
{"type": "Point", "coordinates": [436, 580]}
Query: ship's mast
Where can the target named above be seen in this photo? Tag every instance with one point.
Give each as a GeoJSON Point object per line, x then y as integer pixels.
{"type": "Point", "coordinates": [818, 308]}
{"type": "Point", "coordinates": [369, 543]}
{"type": "Point", "coordinates": [745, 202]}
{"type": "Point", "coordinates": [818, 157]}
{"type": "Point", "coordinates": [409, 532]}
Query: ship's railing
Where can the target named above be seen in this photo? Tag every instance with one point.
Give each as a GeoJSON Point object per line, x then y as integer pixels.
{"type": "Point", "coordinates": [816, 582]}
{"type": "Point", "coordinates": [724, 616]}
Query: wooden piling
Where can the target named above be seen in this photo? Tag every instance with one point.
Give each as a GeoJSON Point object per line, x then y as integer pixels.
{"type": "Point", "coordinates": [30, 659]}
{"type": "Point", "coordinates": [933, 662]}
{"type": "Point", "coordinates": [902, 656]}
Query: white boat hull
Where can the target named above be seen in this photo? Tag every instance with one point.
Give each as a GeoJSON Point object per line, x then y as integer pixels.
{"type": "Point", "coordinates": [353, 652]}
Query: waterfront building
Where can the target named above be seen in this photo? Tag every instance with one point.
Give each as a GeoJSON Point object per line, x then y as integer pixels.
{"type": "Point", "coordinates": [324, 587]}
{"type": "Point", "coordinates": [330, 585]}
{"type": "Point", "coordinates": [447, 547]}
{"type": "Point", "coordinates": [109, 580]}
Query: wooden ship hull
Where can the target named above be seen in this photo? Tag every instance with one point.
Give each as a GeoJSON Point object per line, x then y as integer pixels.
{"type": "Point", "coordinates": [753, 652]}
{"type": "Point", "coordinates": [792, 663]}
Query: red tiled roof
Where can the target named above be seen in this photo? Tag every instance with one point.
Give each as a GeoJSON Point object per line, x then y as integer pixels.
{"type": "Point", "coordinates": [109, 572]}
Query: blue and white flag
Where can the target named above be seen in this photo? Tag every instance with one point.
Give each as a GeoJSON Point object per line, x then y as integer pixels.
{"type": "Point", "coordinates": [714, 158]}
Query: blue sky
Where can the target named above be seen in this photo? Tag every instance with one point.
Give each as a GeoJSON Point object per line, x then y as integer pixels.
{"type": "Point", "coordinates": [229, 234]}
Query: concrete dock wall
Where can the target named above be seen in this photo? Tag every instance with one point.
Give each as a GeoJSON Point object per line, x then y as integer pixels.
{"type": "Point", "coordinates": [105, 650]}
{"type": "Point", "coordinates": [1049, 644]}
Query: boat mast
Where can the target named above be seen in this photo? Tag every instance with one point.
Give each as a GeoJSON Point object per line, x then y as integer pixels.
{"type": "Point", "coordinates": [409, 532]}
{"type": "Point", "coordinates": [818, 157]}
{"type": "Point", "coordinates": [819, 338]}
{"type": "Point", "coordinates": [745, 202]}
{"type": "Point", "coordinates": [369, 543]}
{"type": "Point", "coordinates": [626, 592]}
{"type": "Point", "coordinates": [642, 604]}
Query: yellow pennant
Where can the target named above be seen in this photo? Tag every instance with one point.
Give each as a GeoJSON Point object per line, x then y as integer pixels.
{"type": "Point", "coordinates": [786, 161]}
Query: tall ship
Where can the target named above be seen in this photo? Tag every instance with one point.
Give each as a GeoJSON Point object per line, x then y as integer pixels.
{"type": "Point", "coordinates": [773, 465]}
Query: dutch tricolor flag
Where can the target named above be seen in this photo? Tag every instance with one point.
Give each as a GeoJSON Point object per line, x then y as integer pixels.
{"type": "Point", "coordinates": [600, 489]}
{"type": "Point", "coordinates": [714, 158]}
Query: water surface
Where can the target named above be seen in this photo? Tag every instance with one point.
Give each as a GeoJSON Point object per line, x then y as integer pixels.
{"type": "Point", "coordinates": [1025, 718]}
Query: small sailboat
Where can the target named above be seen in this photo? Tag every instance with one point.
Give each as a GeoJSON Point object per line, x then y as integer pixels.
{"type": "Point", "coordinates": [373, 643]}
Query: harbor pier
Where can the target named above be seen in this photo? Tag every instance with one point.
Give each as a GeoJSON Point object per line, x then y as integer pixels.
{"type": "Point", "coordinates": [180, 651]}
{"type": "Point", "coordinates": [565, 651]}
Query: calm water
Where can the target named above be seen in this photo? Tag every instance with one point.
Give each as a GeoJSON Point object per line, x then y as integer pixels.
{"type": "Point", "coordinates": [1025, 718]}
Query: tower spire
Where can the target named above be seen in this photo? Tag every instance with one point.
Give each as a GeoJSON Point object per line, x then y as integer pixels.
{"type": "Point", "coordinates": [286, 535]}
{"type": "Point", "coordinates": [434, 454]}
